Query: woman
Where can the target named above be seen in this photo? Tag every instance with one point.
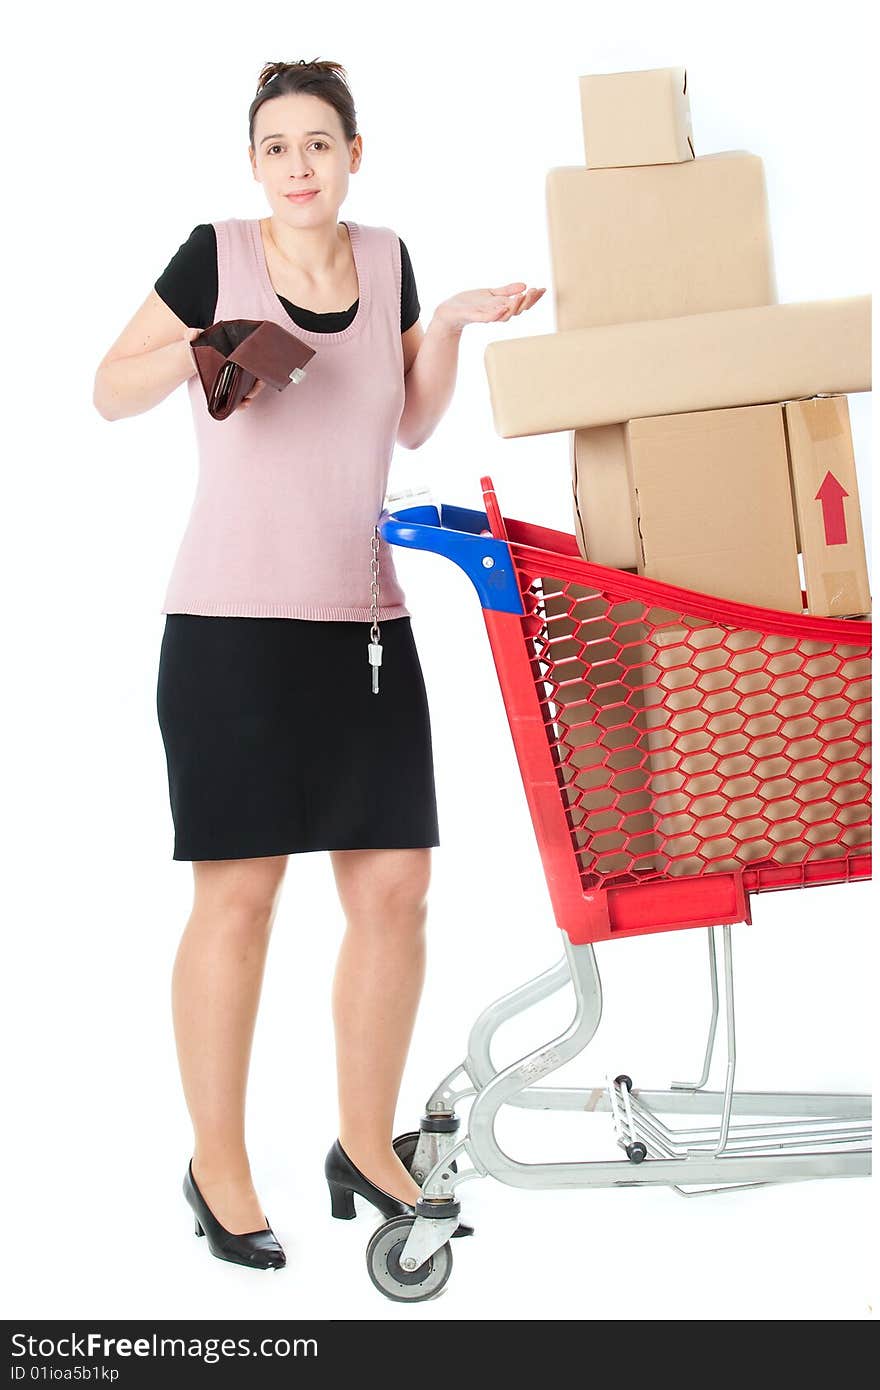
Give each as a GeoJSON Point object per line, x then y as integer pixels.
{"type": "Point", "coordinates": [276, 742]}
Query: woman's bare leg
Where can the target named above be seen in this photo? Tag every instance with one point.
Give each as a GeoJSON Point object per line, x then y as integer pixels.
{"type": "Point", "coordinates": [216, 984]}
{"type": "Point", "coordinates": [376, 989]}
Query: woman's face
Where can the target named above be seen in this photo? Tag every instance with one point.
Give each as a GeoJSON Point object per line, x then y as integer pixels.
{"type": "Point", "coordinates": [300, 147]}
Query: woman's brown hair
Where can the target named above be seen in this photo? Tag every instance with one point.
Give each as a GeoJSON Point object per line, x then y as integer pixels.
{"type": "Point", "coordinates": [319, 78]}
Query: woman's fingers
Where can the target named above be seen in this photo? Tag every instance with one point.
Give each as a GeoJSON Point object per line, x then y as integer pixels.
{"type": "Point", "coordinates": [523, 301]}
{"type": "Point", "coordinates": [255, 391]}
{"type": "Point", "coordinates": [528, 299]}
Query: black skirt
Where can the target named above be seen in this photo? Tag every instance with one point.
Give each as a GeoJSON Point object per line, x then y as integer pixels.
{"type": "Point", "coordinates": [276, 744]}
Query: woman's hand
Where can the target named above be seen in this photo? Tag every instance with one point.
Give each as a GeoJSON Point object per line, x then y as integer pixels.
{"type": "Point", "coordinates": [486, 306]}
{"type": "Point", "coordinates": [188, 335]}
{"type": "Point", "coordinates": [255, 391]}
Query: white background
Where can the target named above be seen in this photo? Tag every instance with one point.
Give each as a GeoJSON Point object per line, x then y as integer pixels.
{"type": "Point", "coordinates": [124, 128]}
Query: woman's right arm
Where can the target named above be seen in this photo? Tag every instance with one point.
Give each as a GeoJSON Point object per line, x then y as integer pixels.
{"type": "Point", "coordinates": [149, 359]}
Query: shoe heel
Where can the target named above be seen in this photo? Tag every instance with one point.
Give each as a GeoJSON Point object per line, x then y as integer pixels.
{"type": "Point", "coordinates": [199, 1231]}
{"type": "Point", "coordinates": [341, 1201]}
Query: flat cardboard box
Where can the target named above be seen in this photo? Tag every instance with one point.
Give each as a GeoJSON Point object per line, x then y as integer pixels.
{"type": "Point", "coordinates": [755, 754]}
{"type": "Point", "coordinates": [713, 502]}
{"type": "Point", "coordinates": [826, 496]}
{"type": "Point", "coordinates": [542, 383]}
{"type": "Point", "coordinates": [636, 117]}
{"type": "Point", "coordinates": [602, 498]}
{"type": "Point", "coordinates": [651, 243]}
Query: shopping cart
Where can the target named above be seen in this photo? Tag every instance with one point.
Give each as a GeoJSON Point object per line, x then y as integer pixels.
{"type": "Point", "coordinates": [678, 753]}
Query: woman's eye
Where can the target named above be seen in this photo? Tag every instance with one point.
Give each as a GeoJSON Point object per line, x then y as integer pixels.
{"type": "Point", "coordinates": [322, 143]}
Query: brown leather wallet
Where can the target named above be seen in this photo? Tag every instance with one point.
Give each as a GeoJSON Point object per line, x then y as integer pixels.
{"type": "Point", "coordinates": [231, 355]}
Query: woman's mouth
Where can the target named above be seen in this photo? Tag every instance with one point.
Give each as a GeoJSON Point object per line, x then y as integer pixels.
{"type": "Point", "coordinates": [302, 197]}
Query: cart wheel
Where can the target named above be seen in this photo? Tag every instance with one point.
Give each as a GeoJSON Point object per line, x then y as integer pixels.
{"type": "Point", "coordinates": [624, 1080]}
{"type": "Point", "coordinates": [405, 1147]}
{"type": "Point", "coordinates": [636, 1152]}
{"type": "Point", "coordinates": [404, 1285]}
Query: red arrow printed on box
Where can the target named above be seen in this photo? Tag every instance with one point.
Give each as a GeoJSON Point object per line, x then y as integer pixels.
{"type": "Point", "coordinates": [830, 496]}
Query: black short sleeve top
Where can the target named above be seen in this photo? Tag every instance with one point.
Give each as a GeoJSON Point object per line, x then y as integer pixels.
{"type": "Point", "coordinates": [188, 285]}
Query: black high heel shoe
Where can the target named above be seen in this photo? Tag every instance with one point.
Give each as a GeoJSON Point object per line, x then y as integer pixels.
{"type": "Point", "coordinates": [344, 1179]}
{"type": "Point", "coordinates": [258, 1249]}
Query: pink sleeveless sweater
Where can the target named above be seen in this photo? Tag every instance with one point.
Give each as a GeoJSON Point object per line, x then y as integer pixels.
{"type": "Point", "coordinates": [290, 488]}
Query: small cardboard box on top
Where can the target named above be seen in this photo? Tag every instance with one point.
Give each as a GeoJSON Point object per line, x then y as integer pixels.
{"type": "Point", "coordinates": [641, 117]}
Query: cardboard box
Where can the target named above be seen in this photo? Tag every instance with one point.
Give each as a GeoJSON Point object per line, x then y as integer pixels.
{"type": "Point", "coordinates": [826, 497]}
{"type": "Point", "coordinates": [755, 755]}
{"type": "Point", "coordinates": [650, 243]}
{"type": "Point", "coordinates": [636, 117]}
{"type": "Point", "coordinates": [602, 376]}
{"type": "Point", "coordinates": [713, 502]}
{"type": "Point", "coordinates": [603, 502]}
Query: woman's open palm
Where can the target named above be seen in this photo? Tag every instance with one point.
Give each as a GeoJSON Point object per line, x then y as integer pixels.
{"type": "Point", "coordinates": [492, 305]}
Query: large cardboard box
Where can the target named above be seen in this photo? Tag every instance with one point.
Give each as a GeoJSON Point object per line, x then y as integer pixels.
{"type": "Point", "coordinates": [652, 243]}
{"type": "Point", "coordinates": [602, 376]}
{"type": "Point", "coordinates": [713, 503]}
{"type": "Point", "coordinates": [602, 498]}
{"type": "Point", "coordinates": [826, 497]}
{"type": "Point", "coordinates": [636, 117]}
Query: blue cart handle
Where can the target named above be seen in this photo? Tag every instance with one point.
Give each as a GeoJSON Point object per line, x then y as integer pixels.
{"type": "Point", "coordinates": [455, 533]}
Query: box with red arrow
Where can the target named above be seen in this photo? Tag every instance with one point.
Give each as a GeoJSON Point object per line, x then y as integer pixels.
{"type": "Point", "coordinates": [827, 511]}
{"type": "Point", "coordinates": [723, 500]}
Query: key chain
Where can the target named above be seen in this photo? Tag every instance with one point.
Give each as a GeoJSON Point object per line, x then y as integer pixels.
{"type": "Point", "coordinates": [374, 649]}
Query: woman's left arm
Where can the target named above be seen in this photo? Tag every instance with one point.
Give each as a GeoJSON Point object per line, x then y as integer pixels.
{"type": "Point", "coordinates": [431, 359]}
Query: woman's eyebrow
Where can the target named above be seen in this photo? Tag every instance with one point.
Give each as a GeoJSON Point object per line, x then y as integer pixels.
{"type": "Point", "coordinates": [279, 135]}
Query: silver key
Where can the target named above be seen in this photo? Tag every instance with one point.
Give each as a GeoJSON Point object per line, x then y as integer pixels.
{"type": "Point", "coordinates": [374, 650]}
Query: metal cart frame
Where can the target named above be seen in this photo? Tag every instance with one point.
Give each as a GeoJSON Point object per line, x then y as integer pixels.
{"type": "Point", "coordinates": [613, 732]}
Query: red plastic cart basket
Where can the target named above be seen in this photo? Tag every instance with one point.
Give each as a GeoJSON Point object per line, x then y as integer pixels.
{"type": "Point", "coordinates": [678, 752]}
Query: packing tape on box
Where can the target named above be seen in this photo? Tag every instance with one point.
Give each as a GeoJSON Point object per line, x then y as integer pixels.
{"type": "Point", "coordinates": [826, 424]}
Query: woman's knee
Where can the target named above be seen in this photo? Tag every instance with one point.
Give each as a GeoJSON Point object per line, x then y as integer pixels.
{"type": "Point", "coordinates": [242, 894]}
{"type": "Point", "coordinates": [384, 883]}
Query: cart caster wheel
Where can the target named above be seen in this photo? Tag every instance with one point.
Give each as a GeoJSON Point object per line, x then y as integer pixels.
{"type": "Point", "coordinates": [405, 1147]}
{"type": "Point", "coordinates": [404, 1285]}
{"type": "Point", "coordinates": [624, 1080]}
{"type": "Point", "coordinates": [636, 1152]}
